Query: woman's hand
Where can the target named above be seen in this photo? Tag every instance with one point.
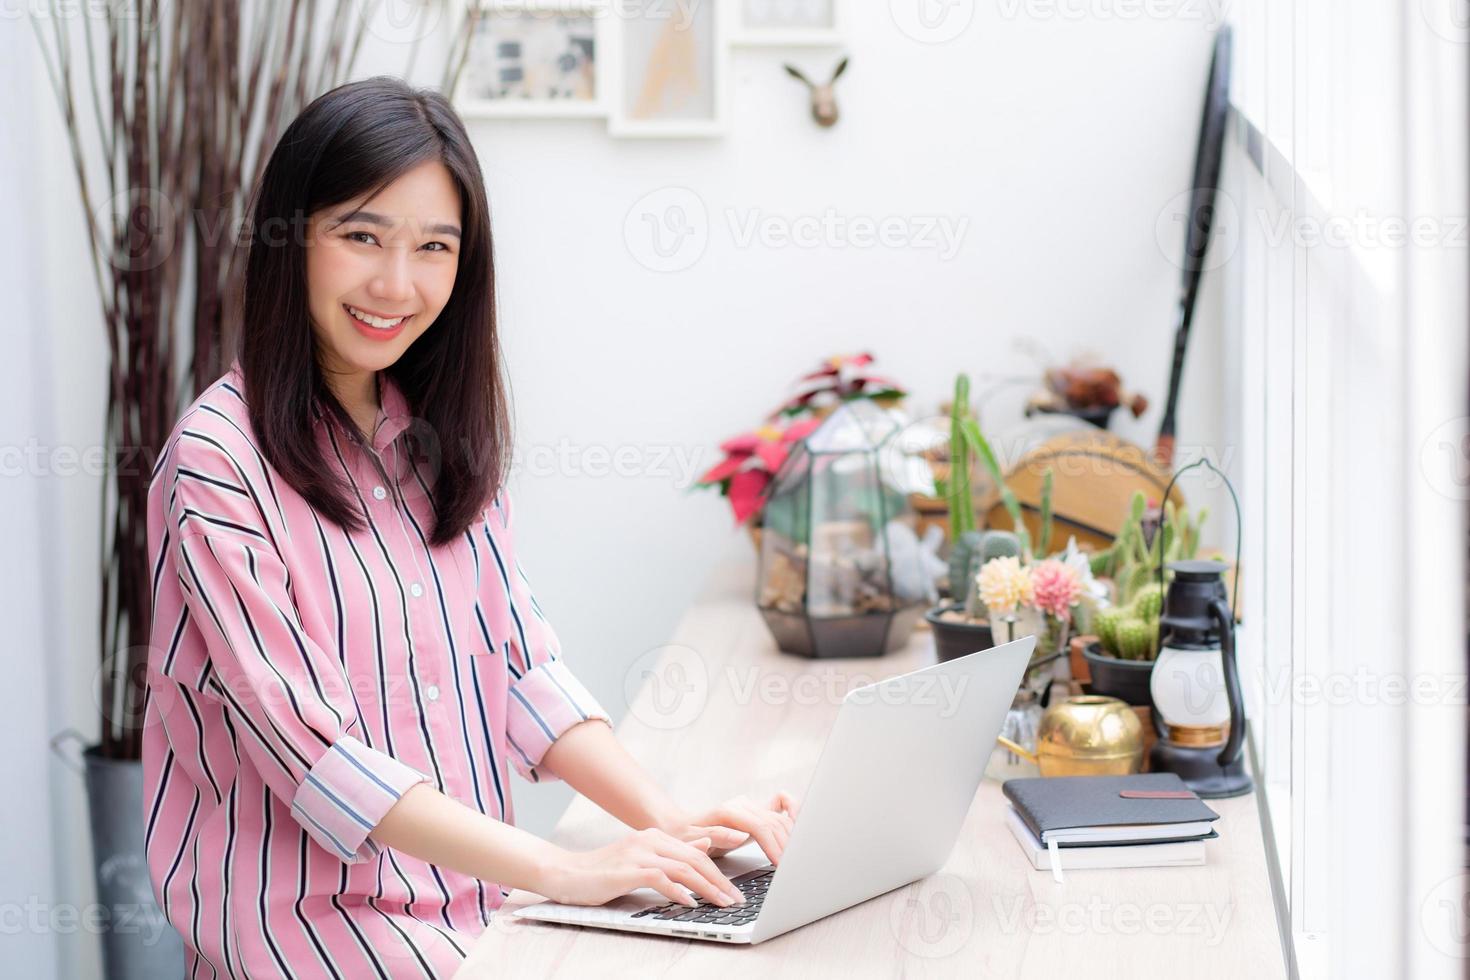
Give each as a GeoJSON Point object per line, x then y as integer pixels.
{"type": "Point", "coordinates": [736, 821]}
{"type": "Point", "coordinates": [646, 859]}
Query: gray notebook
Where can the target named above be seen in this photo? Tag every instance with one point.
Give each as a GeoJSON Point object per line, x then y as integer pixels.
{"type": "Point", "coordinates": [1083, 811]}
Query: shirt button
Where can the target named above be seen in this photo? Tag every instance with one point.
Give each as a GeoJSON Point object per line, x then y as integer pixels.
{"type": "Point", "coordinates": [432, 692]}
{"type": "Point", "coordinates": [379, 493]}
{"type": "Point", "coordinates": [416, 589]}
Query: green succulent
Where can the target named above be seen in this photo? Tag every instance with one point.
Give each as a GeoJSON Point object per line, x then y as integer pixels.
{"type": "Point", "coordinates": [1148, 603]}
{"type": "Point", "coordinates": [1132, 563]}
{"type": "Point", "coordinates": [1135, 639]}
{"type": "Point", "coordinates": [1106, 625]}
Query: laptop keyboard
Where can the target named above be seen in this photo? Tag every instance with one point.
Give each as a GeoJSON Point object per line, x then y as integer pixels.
{"type": "Point", "coordinates": [752, 885]}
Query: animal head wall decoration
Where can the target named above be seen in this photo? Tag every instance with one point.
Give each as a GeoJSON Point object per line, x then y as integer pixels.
{"type": "Point", "coordinates": [824, 98]}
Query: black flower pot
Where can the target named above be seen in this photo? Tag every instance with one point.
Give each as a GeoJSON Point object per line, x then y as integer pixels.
{"type": "Point", "coordinates": [1123, 679]}
{"type": "Point", "coordinates": [955, 640]}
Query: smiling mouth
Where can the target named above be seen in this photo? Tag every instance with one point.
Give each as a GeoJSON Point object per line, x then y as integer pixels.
{"type": "Point", "coordinates": [374, 322]}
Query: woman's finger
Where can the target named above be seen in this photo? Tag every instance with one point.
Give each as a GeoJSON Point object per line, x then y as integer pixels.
{"type": "Point", "coordinates": [759, 824]}
{"type": "Point", "coordinates": [655, 878]}
{"type": "Point", "coordinates": [695, 857]}
{"type": "Point", "coordinates": [786, 803]}
{"type": "Point", "coordinates": [765, 836]}
{"type": "Point", "coordinates": [690, 878]}
{"type": "Point", "coordinates": [727, 837]}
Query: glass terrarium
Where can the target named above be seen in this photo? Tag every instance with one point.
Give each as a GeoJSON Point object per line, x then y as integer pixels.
{"type": "Point", "coordinates": [841, 573]}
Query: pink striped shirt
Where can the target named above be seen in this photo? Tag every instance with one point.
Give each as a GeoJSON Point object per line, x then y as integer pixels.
{"type": "Point", "coordinates": [302, 678]}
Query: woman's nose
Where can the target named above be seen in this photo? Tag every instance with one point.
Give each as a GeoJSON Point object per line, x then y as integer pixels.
{"type": "Point", "coordinates": [394, 281]}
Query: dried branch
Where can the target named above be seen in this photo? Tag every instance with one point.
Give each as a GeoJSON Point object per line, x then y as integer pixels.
{"type": "Point", "coordinates": [185, 116]}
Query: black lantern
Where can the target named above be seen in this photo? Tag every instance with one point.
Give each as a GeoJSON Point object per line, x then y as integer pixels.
{"type": "Point", "coordinates": [1198, 707]}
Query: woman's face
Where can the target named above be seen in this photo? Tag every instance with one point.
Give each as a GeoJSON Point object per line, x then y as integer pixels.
{"type": "Point", "coordinates": [393, 259]}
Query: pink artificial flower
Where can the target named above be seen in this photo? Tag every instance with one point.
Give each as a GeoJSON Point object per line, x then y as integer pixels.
{"type": "Point", "coordinates": [1055, 588]}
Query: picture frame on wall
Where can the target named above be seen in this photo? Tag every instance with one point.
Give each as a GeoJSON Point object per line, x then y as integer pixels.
{"type": "Point", "coordinates": [785, 23]}
{"type": "Point", "coordinates": [667, 66]}
{"type": "Point", "coordinates": [534, 59]}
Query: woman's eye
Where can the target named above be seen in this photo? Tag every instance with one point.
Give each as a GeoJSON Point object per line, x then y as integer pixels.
{"type": "Point", "coordinates": [352, 235]}
{"type": "Point", "coordinates": [442, 247]}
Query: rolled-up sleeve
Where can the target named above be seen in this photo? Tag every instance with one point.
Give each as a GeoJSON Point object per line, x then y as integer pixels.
{"type": "Point", "coordinates": [544, 699]}
{"type": "Point", "coordinates": [288, 700]}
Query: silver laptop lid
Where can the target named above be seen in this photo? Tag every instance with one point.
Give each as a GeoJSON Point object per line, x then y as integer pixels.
{"type": "Point", "coordinates": [893, 785]}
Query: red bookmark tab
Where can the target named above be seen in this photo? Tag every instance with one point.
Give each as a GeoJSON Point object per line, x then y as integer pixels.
{"type": "Point", "coordinates": [1157, 794]}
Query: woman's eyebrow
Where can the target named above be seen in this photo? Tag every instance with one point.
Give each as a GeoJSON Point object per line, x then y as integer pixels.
{"type": "Point", "coordinates": [373, 218]}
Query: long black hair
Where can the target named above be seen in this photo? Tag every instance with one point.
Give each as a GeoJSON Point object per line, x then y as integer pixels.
{"type": "Point", "coordinates": [355, 140]}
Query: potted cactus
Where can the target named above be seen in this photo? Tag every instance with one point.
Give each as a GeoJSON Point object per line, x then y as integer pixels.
{"type": "Point", "coordinates": [962, 625]}
{"type": "Point", "coordinates": [1121, 660]}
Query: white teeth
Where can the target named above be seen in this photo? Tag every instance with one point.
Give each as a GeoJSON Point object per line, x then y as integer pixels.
{"type": "Point", "coordinates": [374, 321]}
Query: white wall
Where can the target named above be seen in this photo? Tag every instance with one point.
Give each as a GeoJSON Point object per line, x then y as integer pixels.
{"type": "Point", "coordinates": [29, 886]}
{"type": "Point", "coordinates": [1059, 141]}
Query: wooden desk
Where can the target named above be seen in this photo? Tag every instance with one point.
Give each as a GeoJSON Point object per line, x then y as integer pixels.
{"type": "Point", "coordinates": [720, 712]}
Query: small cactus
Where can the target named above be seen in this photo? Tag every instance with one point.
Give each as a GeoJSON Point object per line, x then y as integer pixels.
{"type": "Point", "coordinates": [1135, 639]}
{"type": "Point", "coordinates": [999, 544]}
{"type": "Point", "coordinates": [1043, 546]}
{"type": "Point", "coordinates": [1149, 602]}
{"type": "Point", "coordinates": [1106, 624]}
{"type": "Point", "coordinates": [1133, 560]}
{"type": "Point", "coordinates": [970, 554]}
{"type": "Point", "coordinates": [963, 563]}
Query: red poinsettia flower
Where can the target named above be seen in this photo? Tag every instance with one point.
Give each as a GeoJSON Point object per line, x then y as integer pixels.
{"type": "Point", "coordinates": [841, 378]}
{"type": "Point", "coordinates": [751, 462]}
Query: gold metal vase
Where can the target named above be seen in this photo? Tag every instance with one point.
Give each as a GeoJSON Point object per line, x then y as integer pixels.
{"type": "Point", "coordinates": [1087, 735]}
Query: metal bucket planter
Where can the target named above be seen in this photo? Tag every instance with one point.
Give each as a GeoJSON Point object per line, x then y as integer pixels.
{"type": "Point", "coordinates": [137, 942]}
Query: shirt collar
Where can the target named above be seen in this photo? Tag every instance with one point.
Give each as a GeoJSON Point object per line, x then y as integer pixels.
{"type": "Point", "coordinates": [393, 418]}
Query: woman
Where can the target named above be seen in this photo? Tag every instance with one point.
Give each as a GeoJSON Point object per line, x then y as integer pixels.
{"type": "Point", "coordinates": [346, 653]}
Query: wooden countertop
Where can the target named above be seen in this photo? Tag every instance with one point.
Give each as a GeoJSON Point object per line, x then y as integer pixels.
{"type": "Point", "coordinates": [721, 683]}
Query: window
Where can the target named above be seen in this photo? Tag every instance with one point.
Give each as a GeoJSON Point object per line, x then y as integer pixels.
{"type": "Point", "coordinates": [1346, 302]}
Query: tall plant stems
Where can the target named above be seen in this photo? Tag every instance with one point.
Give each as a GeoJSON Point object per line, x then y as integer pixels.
{"type": "Point", "coordinates": [169, 124]}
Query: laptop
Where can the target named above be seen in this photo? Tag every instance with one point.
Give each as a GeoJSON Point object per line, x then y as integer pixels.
{"type": "Point", "coordinates": [884, 808]}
